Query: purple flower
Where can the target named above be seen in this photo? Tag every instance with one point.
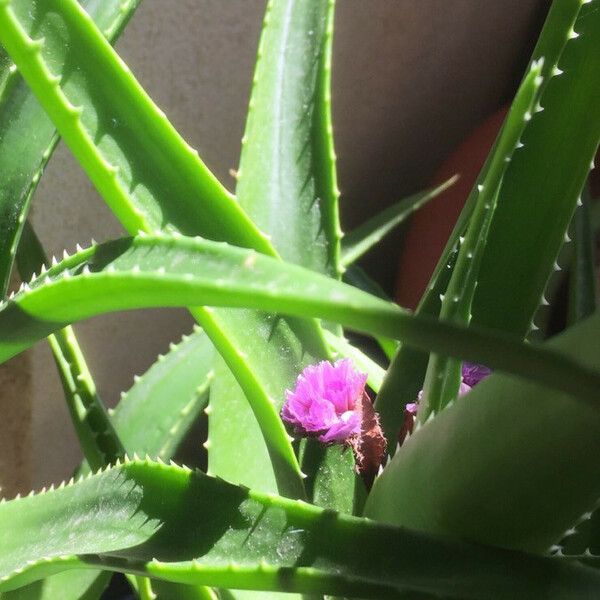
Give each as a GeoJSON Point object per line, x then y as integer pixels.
{"type": "Point", "coordinates": [327, 402]}
{"type": "Point", "coordinates": [472, 374]}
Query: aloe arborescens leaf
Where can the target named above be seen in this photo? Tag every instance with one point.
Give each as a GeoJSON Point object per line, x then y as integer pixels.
{"type": "Point", "coordinates": [166, 271]}
{"type": "Point", "coordinates": [124, 521]}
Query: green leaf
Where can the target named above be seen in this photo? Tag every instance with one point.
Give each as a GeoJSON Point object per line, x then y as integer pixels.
{"type": "Point", "coordinates": [151, 419]}
{"type": "Point", "coordinates": [583, 539]}
{"type": "Point", "coordinates": [542, 184]}
{"type": "Point", "coordinates": [405, 376]}
{"type": "Point", "coordinates": [245, 458]}
{"type": "Point", "coordinates": [177, 271]}
{"type": "Point", "coordinates": [230, 334]}
{"type": "Point", "coordinates": [128, 148]}
{"type": "Point", "coordinates": [369, 234]}
{"type": "Point", "coordinates": [155, 414]}
{"type": "Point", "coordinates": [355, 276]}
{"type": "Point", "coordinates": [331, 479]}
{"type": "Point", "coordinates": [497, 466]}
{"type": "Point", "coordinates": [97, 437]}
{"type": "Point", "coordinates": [551, 43]}
{"type": "Point", "coordinates": [80, 584]}
{"type": "Point", "coordinates": [286, 183]}
{"type": "Point", "coordinates": [286, 178]}
{"type": "Point", "coordinates": [443, 377]}
{"type": "Point", "coordinates": [139, 164]}
{"type": "Point", "coordinates": [206, 531]}
{"type": "Point", "coordinates": [583, 285]}
{"type": "Point", "coordinates": [158, 431]}
{"type": "Point", "coordinates": [23, 155]}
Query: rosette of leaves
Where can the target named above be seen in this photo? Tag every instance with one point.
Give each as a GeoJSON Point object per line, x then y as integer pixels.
{"type": "Point", "coordinates": [475, 504]}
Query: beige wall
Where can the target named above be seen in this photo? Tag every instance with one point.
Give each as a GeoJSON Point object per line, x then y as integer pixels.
{"type": "Point", "coordinates": [411, 78]}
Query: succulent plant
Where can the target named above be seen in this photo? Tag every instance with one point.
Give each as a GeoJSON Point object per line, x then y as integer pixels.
{"type": "Point", "coordinates": [491, 490]}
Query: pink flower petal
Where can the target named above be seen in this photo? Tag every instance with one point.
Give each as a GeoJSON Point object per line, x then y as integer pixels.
{"type": "Point", "coordinates": [326, 400]}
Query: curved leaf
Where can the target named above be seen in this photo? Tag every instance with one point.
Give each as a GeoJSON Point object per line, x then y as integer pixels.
{"type": "Point", "coordinates": [97, 437]}
{"type": "Point", "coordinates": [286, 183]}
{"type": "Point", "coordinates": [443, 377]}
{"type": "Point", "coordinates": [514, 463]}
{"type": "Point", "coordinates": [139, 164]}
{"type": "Point", "coordinates": [151, 419]}
{"type": "Point", "coordinates": [542, 184]}
{"type": "Point", "coordinates": [206, 531]}
{"type": "Point", "coordinates": [23, 156]}
{"type": "Point", "coordinates": [369, 234]}
{"type": "Point", "coordinates": [406, 373]}
{"type": "Point", "coordinates": [175, 271]}
{"type": "Point", "coordinates": [157, 431]}
{"type": "Point", "coordinates": [128, 148]}
{"type": "Point", "coordinates": [583, 285]}
{"type": "Point", "coordinates": [286, 168]}
{"type": "Point", "coordinates": [157, 411]}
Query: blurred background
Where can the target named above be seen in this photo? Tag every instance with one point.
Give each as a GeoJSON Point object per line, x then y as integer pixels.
{"type": "Point", "coordinates": [411, 80]}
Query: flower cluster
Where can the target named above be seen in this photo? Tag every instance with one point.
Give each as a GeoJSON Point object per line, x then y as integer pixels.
{"type": "Point", "coordinates": [330, 403]}
{"type": "Point", "coordinates": [326, 402]}
{"type": "Point", "coordinates": [472, 374]}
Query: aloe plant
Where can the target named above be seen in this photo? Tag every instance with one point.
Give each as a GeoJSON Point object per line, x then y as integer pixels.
{"type": "Point", "coordinates": [431, 484]}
